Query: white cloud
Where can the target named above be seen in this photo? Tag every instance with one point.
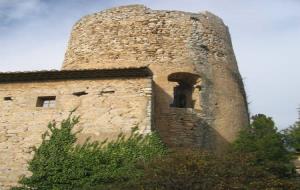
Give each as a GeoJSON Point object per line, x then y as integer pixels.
{"type": "Point", "coordinates": [17, 9]}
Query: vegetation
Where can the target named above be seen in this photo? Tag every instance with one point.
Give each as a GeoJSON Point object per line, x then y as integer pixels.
{"type": "Point", "coordinates": [263, 140]}
{"type": "Point", "coordinates": [257, 160]}
{"type": "Point", "coordinates": [60, 165]}
{"type": "Point", "coordinates": [196, 170]}
{"type": "Point", "coordinates": [292, 137]}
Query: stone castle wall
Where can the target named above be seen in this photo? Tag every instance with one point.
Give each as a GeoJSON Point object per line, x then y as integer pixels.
{"type": "Point", "coordinates": [170, 42]}
{"type": "Point", "coordinates": [179, 48]}
{"type": "Point", "coordinates": [110, 106]}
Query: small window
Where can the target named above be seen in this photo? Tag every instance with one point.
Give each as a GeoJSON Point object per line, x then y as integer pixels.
{"type": "Point", "coordinates": [80, 93]}
{"type": "Point", "coordinates": [46, 101]}
{"type": "Point", "coordinates": [8, 98]}
{"type": "Point", "coordinates": [185, 94]}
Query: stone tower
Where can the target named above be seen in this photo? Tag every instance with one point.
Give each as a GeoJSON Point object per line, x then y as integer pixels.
{"type": "Point", "coordinates": [199, 97]}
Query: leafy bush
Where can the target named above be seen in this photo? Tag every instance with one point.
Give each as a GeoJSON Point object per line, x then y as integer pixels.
{"type": "Point", "coordinates": [59, 164]}
{"type": "Point", "coordinates": [266, 144]}
{"type": "Point", "coordinates": [292, 137]}
{"type": "Point", "coordinates": [196, 170]}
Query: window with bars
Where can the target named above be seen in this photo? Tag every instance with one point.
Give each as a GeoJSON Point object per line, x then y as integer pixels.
{"type": "Point", "coordinates": [46, 101]}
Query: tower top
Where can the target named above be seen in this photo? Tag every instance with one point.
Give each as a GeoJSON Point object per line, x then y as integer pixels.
{"type": "Point", "coordinates": [195, 74]}
{"type": "Point", "coordinates": [135, 36]}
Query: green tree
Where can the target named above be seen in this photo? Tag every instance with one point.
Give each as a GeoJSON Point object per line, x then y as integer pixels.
{"type": "Point", "coordinates": [292, 137]}
{"type": "Point", "coordinates": [263, 140]}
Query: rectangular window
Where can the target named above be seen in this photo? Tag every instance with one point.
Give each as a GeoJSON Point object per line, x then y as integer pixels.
{"type": "Point", "coordinates": [46, 101]}
{"type": "Point", "coordinates": [8, 98]}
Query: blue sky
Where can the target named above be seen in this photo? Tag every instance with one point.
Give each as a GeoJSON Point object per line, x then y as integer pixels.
{"type": "Point", "coordinates": [265, 34]}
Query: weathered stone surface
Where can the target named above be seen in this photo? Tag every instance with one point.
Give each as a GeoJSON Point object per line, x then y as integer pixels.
{"type": "Point", "coordinates": [187, 53]}
{"type": "Point", "coordinates": [169, 42]}
{"type": "Point", "coordinates": [110, 106]}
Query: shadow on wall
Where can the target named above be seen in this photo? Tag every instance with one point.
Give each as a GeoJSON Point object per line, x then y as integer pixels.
{"type": "Point", "coordinates": [184, 127]}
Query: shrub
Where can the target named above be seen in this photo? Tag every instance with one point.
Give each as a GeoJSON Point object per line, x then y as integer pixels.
{"type": "Point", "coordinates": [59, 164]}
{"type": "Point", "coordinates": [196, 170]}
{"type": "Point", "coordinates": [266, 144]}
{"type": "Point", "coordinates": [292, 137]}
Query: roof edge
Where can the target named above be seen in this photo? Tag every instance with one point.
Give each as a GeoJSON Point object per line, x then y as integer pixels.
{"type": "Point", "coordinates": [53, 75]}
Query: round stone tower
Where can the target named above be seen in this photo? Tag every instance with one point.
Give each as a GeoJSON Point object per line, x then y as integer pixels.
{"type": "Point", "coordinates": [199, 97]}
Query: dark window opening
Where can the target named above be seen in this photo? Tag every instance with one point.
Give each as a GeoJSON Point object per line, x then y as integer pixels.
{"type": "Point", "coordinates": [183, 96]}
{"type": "Point", "coordinates": [107, 91]}
{"type": "Point", "coordinates": [8, 98]}
{"type": "Point", "coordinates": [46, 101]}
{"type": "Point", "coordinates": [81, 93]}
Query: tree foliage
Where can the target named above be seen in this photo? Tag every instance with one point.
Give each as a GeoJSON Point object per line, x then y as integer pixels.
{"type": "Point", "coordinates": [198, 170]}
{"type": "Point", "coordinates": [59, 164]}
{"type": "Point", "coordinates": [292, 137]}
{"type": "Point", "coordinates": [262, 140]}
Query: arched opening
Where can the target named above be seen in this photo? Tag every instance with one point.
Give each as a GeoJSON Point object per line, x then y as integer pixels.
{"type": "Point", "coordinates": [185, 92]}
{"type": "Point", "coordinates": [182, 96]}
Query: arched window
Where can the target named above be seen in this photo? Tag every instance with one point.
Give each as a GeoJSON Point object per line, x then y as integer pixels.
{"type": "Point", "coordinates": [184, 92]}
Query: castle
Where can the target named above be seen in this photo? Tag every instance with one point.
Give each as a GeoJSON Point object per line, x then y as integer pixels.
{"type": "Point", "coordinates": [170, 71]}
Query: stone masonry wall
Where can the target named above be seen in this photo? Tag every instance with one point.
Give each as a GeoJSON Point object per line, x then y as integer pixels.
{"type": "Point", "coordinates": [110, 106]}
{"type": "Point", "coordinates": [170, 42]}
